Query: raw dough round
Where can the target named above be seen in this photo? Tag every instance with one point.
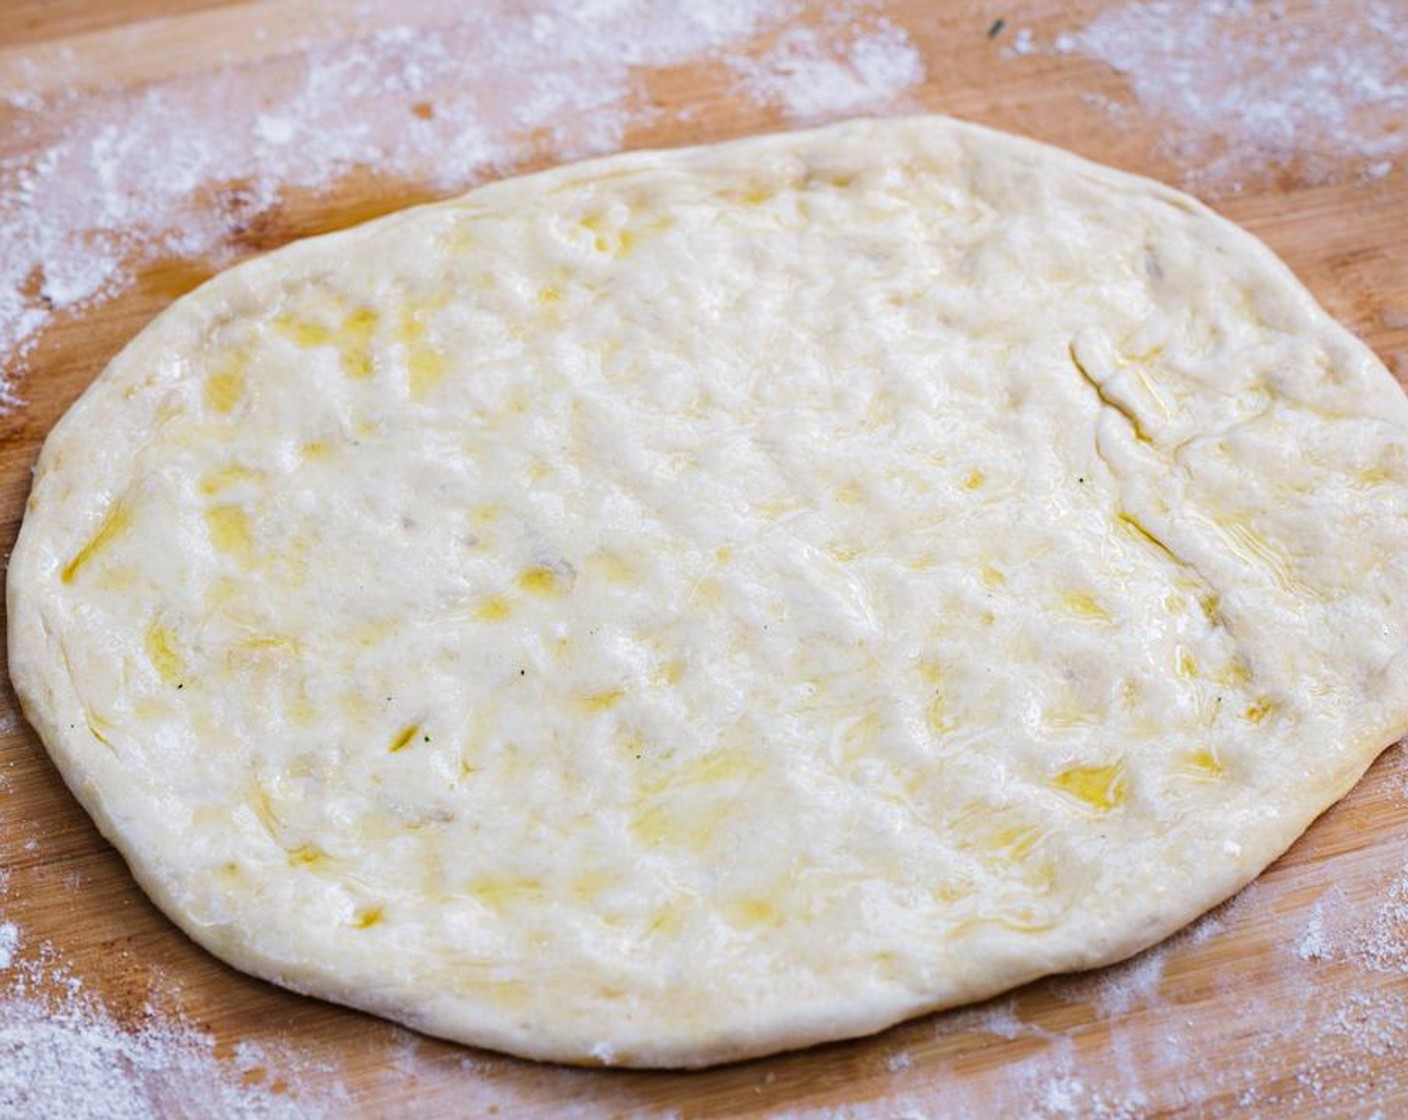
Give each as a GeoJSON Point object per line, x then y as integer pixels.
{"type": "Point", "coordinates": [690, 604]}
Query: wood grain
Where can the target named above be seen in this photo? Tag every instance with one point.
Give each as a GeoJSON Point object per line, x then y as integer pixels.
{"type": "Point", "coordinates": [1241, 1015]}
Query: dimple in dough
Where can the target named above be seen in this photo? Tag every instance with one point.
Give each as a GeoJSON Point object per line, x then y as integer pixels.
{"type": "Point", "coordinates": [692, 604]}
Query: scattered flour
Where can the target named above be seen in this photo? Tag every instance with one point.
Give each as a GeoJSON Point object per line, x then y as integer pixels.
{"type": "Point", "coordinates": [1022, 44]}
{"type": "Point", "coordinates": [810, 79]}
{"type": "Point", "coordinates": [1248, 91]}
{"type": "Point", "coordinates": [1374, 939]}
{"type": "Point", "coordinates": [1051, 1085]}
{"type": "Point", "coordinates": [1131, 985]}
{"type": "Point", "coordinates": [1352, 1059]}
{"type": "Point", "coordinates": [109, 181]}
{"type": "Point", "coordinates": [74, 1062]}
{"type": "Point", "coordinates": [1159, 1061]}
{"type": "Point", "coordinates": [998, 1018]}
{"type": "Point", "coordinates": [1313, 945]}
{"type": "Point", "coordinates": [9, 942]}
{"type": "Point", "coordinates": [1382, 944]}
{"type": "Point", "coordinates": [64, 1057]}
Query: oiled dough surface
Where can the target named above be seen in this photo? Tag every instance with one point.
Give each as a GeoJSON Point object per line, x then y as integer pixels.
{"type": "Point", "coordinates": [696, 603]}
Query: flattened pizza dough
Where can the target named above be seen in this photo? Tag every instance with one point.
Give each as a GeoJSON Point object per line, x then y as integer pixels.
{"type": "Point", "coordinates": [697, 603]}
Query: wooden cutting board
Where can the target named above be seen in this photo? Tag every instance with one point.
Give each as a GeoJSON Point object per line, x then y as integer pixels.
{"type": "Point", "coordinates": [1290, 1000]}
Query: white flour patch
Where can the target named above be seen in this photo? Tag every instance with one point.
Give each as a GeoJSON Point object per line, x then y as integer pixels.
{"type": "Point", "coordinates": [1245, 91]}
{"type": "Point", "coordinates": [1047, 1084]}
{"type": "Point", "coordinates": [995, 1018]}
{"type": "Point", "coordinates": [186, 167]}
{"type": "Point", "coordinates": [75, 1061]}
{"type": "Point", "coordinates": [1155, 1056]}
{"type": "Point", "coordinates": [63, 1055]}
{"type": "Point", "coordinates": [1374, 938]}
{"type": "Point", "coordinates": [1050, 1086]}
{"type": "Point", "coordinates": [1353, 1052]}
{"type": "Point", "coordinates": [1313, 944]}
{"type": "Point", "coordinates": [1002, 1021]}
{"type": "Point", "coordinates": [1203, 930]}
{"type": "Point", "coordinates": [1022, 44]}
{"type": "Point", "coordinates": [9, 942]}
{"type": "Point", "coordinates": [1129, 986]}
{"type": "Point", "coordinates": [811, 78]}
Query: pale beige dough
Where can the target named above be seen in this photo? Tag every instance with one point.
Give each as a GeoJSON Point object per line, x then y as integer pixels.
{"type": "Point", "coordinates": [697, 603]}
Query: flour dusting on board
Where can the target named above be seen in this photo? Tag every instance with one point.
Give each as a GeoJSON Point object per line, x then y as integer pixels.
{"type": "Point", "coordinates": [806, 75]}
{"type": "Point", "coordinates": [9, 942]}
{"type": "Point", "coordinates": [75, 1061]}
{"type": "Point", "coordinates": [1373, 938]}
{"type": "Point", "coordinates": [185, 167]}
{"type": "Point", "coordinates": [1249, 91]}
{"type": "Point", "coordinates": [63, 1054]}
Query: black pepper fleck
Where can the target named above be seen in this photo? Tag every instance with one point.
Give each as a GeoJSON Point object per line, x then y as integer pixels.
{"type": "Point", "coordinates": [996, 29]}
